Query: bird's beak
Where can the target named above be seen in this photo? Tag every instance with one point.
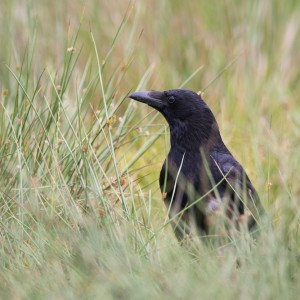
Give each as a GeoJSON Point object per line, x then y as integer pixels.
{"type": "Point", "coordinates": [152, 98]}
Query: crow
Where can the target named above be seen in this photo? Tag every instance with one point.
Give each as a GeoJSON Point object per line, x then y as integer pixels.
{"type": "Point", "coordinates": [200, 177]}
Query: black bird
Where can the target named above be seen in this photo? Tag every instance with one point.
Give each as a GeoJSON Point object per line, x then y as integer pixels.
{"type": "Point", "coordinates": [200, 177]}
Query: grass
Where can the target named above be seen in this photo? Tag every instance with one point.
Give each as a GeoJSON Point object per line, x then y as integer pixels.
{"type": "Point", "coordinates": [81, 214]}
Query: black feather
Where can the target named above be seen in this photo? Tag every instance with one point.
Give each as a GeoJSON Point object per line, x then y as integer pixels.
{"type": "Point", "coordinates": [197, 162]}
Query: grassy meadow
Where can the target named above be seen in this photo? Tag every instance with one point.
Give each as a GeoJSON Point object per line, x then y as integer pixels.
{"type": "Point", "coordinates": [81, 215]}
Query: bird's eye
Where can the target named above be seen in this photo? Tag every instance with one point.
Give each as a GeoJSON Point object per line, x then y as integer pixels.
{"type": "Point", "coordinates": [171, 99]}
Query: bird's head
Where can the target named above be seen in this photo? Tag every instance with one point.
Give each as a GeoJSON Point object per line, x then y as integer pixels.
{"type": "Point", "coordinates": [189, 117]}
{"type": "Point", "coordinates": [175, 105]}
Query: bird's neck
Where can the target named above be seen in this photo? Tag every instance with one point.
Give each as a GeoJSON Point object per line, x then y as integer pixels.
{"type": "Point", "coordinates": [191, 136]}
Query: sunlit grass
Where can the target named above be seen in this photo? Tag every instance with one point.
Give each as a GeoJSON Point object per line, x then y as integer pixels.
{"type": "Point", "coordinates": [81, 213]}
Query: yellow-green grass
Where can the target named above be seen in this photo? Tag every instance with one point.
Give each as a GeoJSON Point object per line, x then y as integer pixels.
{"type": "Point", "coordinates": [81, 212]}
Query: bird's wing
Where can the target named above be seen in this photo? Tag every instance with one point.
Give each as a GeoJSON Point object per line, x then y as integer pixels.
{"type": "Point", "coordinates": [240, 185]}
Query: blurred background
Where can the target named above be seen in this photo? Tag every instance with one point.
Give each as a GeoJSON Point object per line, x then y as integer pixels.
{"type": "Point", "coordinates": [243, 55]}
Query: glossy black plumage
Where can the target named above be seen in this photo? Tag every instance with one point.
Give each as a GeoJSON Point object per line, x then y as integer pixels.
{"type": "Point", "coordinates": [199, 176]}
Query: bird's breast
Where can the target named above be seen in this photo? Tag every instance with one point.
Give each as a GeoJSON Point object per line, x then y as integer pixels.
{"type": "Point", "coordinates": [183, 178]}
